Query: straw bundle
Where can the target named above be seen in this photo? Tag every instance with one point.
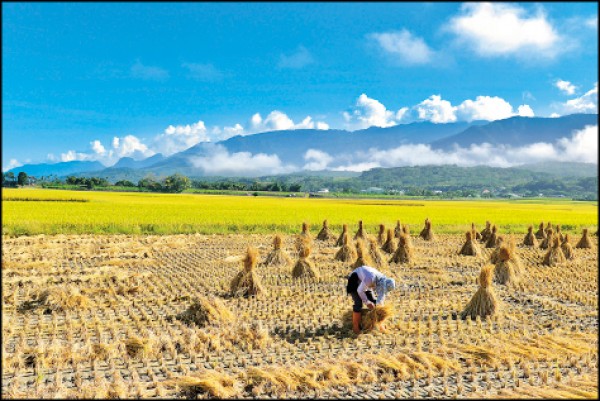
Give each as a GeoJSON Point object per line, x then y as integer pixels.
{"type": "Point", "coordinates": [491, 239]}
{"type": "Point", "coordinates": [376, 255]}
{"type": "Point", "coordinates": [304, 267]}
{"type": "Point", "coordinates": [390, 244]}
{"type": "Point", "coordinates": [508, 269]}
{"type": "Point", "coordinates": [247, 282]}
{"type": "Point", "coordinates": [278, 256]}
{"type": "Point", "coordinates": [530, 239]}
{"type": "Point", "coordinates": [540, 234]}
{"type": "Point", "coordinates": [347, 252]}
{"type": "Point", "coordinates": [484, 302]}
{"type": "Point", "coordinates": [567, 248]}
{"type": "Point", "coordinates": [585, 242]}
{"type": "Point", "coordinates": [485, 233]}
{"type": "Point", "coordinates": [305, 234]}
{"type": "Point", "coordinates": [558, 233]}
{"type": "Point", "coordinates": [476, 235]}
{"type": "Point", "coordinates": [548, 227]}
{"type": "Point", "coordinates": [494, 255]}
{"type": "Point", "coordinates": [470, 248]}
{"type": "Point", "coordinates": [428, 235]}
{"type": "Point", "coordinates": [205, 311]}
{"type": "Point", "coordinates": [325, 234]}
{"type": "Point", "coordinates": [398, 229]}
{"type": "Point", "coordinates": [548, 240]}
{"type": "Point", "coordinates": [381, 235]}
{"type": "Point", "coordinates": [361, 233]}
{"type": "Point", "coordinates": [405, 229]}
{"type": "Point", "coordinates": [363, 257]}
{"type": "Point", "coordinates": [404, 253]}
{"type": "Point", "coordinates": [371, 318]}
{"type": "Point", "coordinates": [555, 255]}
{"type": "Point", "coordinates": [340, 240]}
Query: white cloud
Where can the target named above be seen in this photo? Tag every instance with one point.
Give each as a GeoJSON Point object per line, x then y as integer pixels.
{"type": "Point", "coordinates": [592, 22]}
{"type": "Point", "coordinates": [12, 163]}
{"type": "Point", "coordinates": [525, 110]}
{"type": "Point", "coordinates": [498, 29]}
{"type": "Point", "coordinates": [139, 70]}
{"type": "Point", "coordinates": [588, 103]}
{"type": "Point", "coordinates": [404, 47]}
{"type": "Point", "coordinates": [300, 58]}
{"type": "Point", "coordinates": [130, 146]}
{"type": "Point", "coordinates": [97, 147]}
{"type": "Point", "coordinates": [484, 108]}
{"type": "Point", "coordinates": [582, 146]}
{"type": "Point", "coordinates": [72, 155]}
{"type": "Point", "coordinates": [436, 110]}
{"type": "Point", "coordinates": [180, 137]}
{"type": "Point", "coordinates": [565, 86]}
{"type": "Point", "coordinates": [554, 115]}
{"type": "Point", "coordinates": [368, 113]}
{"type": "Point", "coordinates": [316, 160]}
{"type": "Point", "coordinates": [278, 121]}
{"type": "Point", "coordinates": [203, 72]}
{"type": "Point", "coordinates": [221, 162]}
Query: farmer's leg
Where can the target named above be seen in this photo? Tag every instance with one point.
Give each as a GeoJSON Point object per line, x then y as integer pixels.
{"type": "Point", "coordinates": [356, 312]}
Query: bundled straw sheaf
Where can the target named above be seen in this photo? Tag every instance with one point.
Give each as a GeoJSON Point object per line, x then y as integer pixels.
{"type": "Point", "coordinates": [398, 229]}
{"type": "Point", "coordinates": [305, 234]}
{"type": "Point", "coordinates": [540, 233]}
{"type": "Point", "coordinates": [304, 267]}
{"type": "Point", "coordinates": [363, 257]}
{"type": "Point", "coordinates": [470, 247]}
{"type": "Point", "coordinates": [247, 282]}
{"type": "Point", "coordinates": [376, 255]}
{"type": "Point", "coordinates": [476, 235]}
{"type": "Point", "coordinates": [390, 244]}
{"type": "Point", "coordinates": [548, 239]}
{"type": "Point", "coordinates": [484, 302]}
{"type": "Point", "coordinates": [404, 253]}
{"type": "Point", "coordinates": [205, 311]}
{"type": "Point", "coordinates": [347, 252]}
{"type": "Point", "coordinates": [57, 299]}
{"type": "Point", "coordinates": [485, 233]}
{"type": "Point", "coordinates": [508, 269]}
{"type": "Point", "coordinates": [555, 255]}
{"type": "Point", "coordinates": [491, 240]}
{"type": "Point", "coordinates": [278, 256]}
{"type": "Point", "coordinates": [325, 234]}
{"type": "Point", "coordinates": [371, 318]}
{"type": "Point", "coordinates": [340, 240]}
{"type": "Point", "coordinates": [585, 242]}
{"type": "Point", "coordinates": [567, 248]}
{"type": "Point", "coordinates": [495, 253]}
{"type": "Point", "coordinates": [530, 239]}
{"type": "Point", "coordinates": [381, 235]}
{"type": "Point", "coordinates": [427, 232]}
{"type": "Point", "coordinates": [361, 233]}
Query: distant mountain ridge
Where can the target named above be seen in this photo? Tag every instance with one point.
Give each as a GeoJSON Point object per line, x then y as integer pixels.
{"type": "Point", "coordinates": [290, 146]}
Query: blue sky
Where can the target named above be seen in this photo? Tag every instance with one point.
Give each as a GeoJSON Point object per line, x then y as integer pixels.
{"type": "Point", "coordinates": [101, 81]}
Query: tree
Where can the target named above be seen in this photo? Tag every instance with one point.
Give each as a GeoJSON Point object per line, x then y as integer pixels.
{"type": "Point", "coordinates": [176, 183]}
{"type": "Point", "coordinates": [22, 178]}
{"type": "Point", "coordinates": [124, 183]}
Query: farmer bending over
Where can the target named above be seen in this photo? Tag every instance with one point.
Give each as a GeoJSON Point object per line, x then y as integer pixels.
{"type": "Point", "coordinates": [361, 282]}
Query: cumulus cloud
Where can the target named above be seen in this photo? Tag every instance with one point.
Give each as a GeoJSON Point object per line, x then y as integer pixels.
{"type": "Point", "coordinates": [278, 121]}
{"type": "Point", "coordinates": [316, 160]}
{"type": "Point", "coordinates": [582, 146]}
{"type": "Point", "coordinates": [368, 113]}
{"type": "Point", "coordinates": [299, 59]}
{"type": "Point", "coordinates": [176, 138]}
{"type": "Point", "coordinates": [221, 162]}
{"type": "Point", "coordinates": [97, 147]}
{"type": "Point", "coordinates": [130, 146]}
{"type": "Point", "coordinates": [485, 108]}
{"type": "Point", "coordinates": [72, 155]}
{"type": "Point", "coordinates": [525, 110]}
{"type": "Point", "coordinates": [436, 110]}
{"type": "Point", "coordinates": [202, 72]}
{"type": "Point", "coordinates": [565, 86]}
{"type": "Point", "coordinates": [501, 29]}
{"type": "Point", "coordinates": [141, 71]}
{"type": "Point", "coordinates": [404, 47]}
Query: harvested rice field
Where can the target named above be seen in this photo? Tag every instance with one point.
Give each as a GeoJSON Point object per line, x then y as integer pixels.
{"type": "Point", "coordinates": [124, 316]}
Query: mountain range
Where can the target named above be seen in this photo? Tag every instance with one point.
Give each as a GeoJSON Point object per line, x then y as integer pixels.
{"type": "Point", "coordinates": [291, 146]}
